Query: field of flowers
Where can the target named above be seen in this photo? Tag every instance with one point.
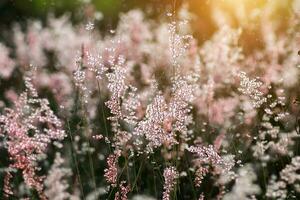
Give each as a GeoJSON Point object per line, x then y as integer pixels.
{"type": "Point", "coordinates": [147, 111]}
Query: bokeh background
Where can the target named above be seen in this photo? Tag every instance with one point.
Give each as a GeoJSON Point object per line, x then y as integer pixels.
{"type": "Point", "coordinates": [258, 19]}
{"type": "Point", "coordinates": [252, 15]}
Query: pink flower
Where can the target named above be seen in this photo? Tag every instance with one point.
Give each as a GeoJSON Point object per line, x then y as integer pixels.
{"type": "Point", "coordinates": [111, 172]}
{"type": "Point", "coordinates": [26, 140]}
{"type": "Point", "coordinates": [170, 176]}
{"type": "Point", "coordinates": [7, 65]}
{"type": "Point", "coordinates": [222, 110]}
{"type": "Point", "coordinates": [124, 190]}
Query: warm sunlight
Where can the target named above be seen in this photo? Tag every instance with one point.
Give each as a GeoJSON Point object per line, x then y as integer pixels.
{"type": "Point", "coordinates": [248, 11]}
{"type": "Point", "coordinates": [149, 100]}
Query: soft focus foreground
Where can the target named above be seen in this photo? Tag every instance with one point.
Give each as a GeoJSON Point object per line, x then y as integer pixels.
{"type": "Point", "coordinates": [151, 109]}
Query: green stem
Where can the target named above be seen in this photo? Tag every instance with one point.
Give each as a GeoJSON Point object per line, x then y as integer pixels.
{"type": "Point", "coordinates": [103, 114]}
{"type": "Point", "coordinates": [138, 174]}
{"type": "Point", "coordinates": [75, 160]}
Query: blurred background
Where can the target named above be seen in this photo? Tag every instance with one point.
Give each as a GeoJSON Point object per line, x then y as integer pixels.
{"type": "Point", "coordinates": [258, 20]}
{"type": "Point", "coordinates": [251, 15]}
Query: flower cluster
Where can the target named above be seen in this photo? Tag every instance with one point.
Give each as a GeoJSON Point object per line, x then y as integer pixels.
{"type": "Point", "coordinates": [29, 129]}
{"type": "Point", "coordinates": [55, 183]}
{"type": "Point", "coordinates": [170, 176]}
{"type": "Point", "coordinates": [111, 173]}
{"type": "Point", "coordinates": [206, 119]}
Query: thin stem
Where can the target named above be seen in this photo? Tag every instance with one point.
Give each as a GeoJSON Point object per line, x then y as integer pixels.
{"type": "Point", "coordinates": [103, 114]}
{"type": "Point", "coordinates": [91, 164]}
{"type": "Point", "coordinates": [75, 160]}
{"type": "Point", "coordinates": [119, 176]}
{"type": "Point", "coordinates": [137, 176]}
{"type": "Point", "coordinates": [86, 123]}
{"type": "Point", "coordinates": [190, 178]}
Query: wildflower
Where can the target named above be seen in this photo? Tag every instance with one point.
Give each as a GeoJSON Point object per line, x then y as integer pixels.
{"type": "Point", "coordinates": [276, 189]}
{"type": "Point", "coordinates": [97, 137]}
{"type": "Point", "coordinates": [206, 154]}
{"type": "Point", "coordinates": [55, 182]}
{"type": "Point", "coordinates": [117, 87]}
{"type": "Point", "coordinates": [179, 108]}
{"type": "Point", "coordinates": [111, 172]}
{"type": "Point", "coordinates": [29, 45]}
{"type": "Point", "coordinates": [221, 54]}
{"type": "Point", "coordinates": [290, 174]}
{"type": "Point", "coordinates": [250, 87]}
{"type": "Point", "coordinates": [80, 76]}
{"type": "Point", "coordinates": [89, 26]}
{"type": "Point", "coordinates": [170, 176]}
{"type": "Point", "coordinates": [244, 185]}
{"type": "Point", "coordinates": [26, 141]}
{"type": "Point", "coordinates": [7, 65]}
{"type": "Point", "coordinates": [122, 194]}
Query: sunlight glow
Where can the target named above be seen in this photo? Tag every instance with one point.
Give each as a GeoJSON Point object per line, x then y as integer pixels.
{"type": "Point", "coordinates": [247, 11]}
